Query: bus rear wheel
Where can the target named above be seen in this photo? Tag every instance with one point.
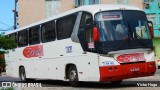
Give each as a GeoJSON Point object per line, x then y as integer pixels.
{"type": "Point", "coordinates": [22, 74]}
{"type": "Point", "coordinates": [73, 76]}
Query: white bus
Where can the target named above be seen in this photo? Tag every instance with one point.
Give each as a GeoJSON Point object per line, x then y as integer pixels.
{"type": "Point", "coordinates": [95, 43]}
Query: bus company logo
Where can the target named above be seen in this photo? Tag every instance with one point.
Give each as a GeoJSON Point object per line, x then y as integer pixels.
{"type": "Point", "coordinates": [131, 57]}
{"type": "Point", "coordinates": [33, 51]}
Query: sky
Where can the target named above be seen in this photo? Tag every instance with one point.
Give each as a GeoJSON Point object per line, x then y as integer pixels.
{"type": "Point", "coordinates": [6, 15]}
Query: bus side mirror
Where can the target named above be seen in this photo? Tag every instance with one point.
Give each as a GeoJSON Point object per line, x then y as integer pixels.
{"type": "Point", "coordinates": [95, 34]}
{"type": "Point", "coordinates": [151, 29]}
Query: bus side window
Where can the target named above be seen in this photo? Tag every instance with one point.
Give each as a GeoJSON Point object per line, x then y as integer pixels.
{"type": "Point", "coordinates": [13, 36]}
{"type": "Point", "coordinates": [34, 35]}
{"type": "Point", "coordinates": [65, 26]}
{"type": "Point", "coordinates": [48, 32]}
{"type": "Point", "coordinates": [22, 38]}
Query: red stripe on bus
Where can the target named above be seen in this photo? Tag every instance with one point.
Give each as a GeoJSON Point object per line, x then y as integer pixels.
{"type": "Point", "coordinates": [126, 71]}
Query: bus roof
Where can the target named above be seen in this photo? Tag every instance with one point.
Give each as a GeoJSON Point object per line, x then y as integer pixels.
{"type": "Point", "coordinates": [89, 8]}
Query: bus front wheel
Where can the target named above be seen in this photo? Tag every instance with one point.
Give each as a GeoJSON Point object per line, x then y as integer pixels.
{"type": "Point", "coordinates": [22, 74]}
{"type": "Point", "coordinates": [73, 76]}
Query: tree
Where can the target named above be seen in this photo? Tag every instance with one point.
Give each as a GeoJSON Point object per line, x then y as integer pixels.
{"type": "Point", "coordinates": [6, 43]}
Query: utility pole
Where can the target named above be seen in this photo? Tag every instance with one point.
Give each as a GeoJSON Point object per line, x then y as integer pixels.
{"type": "Point", "coordinates": [15, 15]}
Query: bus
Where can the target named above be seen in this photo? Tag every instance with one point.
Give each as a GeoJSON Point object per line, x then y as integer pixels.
{"type": "Point", "coordinates": [94, 43]}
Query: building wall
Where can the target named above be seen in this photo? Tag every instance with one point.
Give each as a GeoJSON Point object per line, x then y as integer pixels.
{"type": "Point", "coordinates": [154, 11]}
{"type": "Point", "coordinates": [30, 11]}
{"type": "Point", "coordinates": [67, 5]}
{"type": "Point", "coordinates": [137, 3]}
{"type": "Point", "coordinates": [107, 1]}
{"type": "Point", "coordinates": [156, 42]}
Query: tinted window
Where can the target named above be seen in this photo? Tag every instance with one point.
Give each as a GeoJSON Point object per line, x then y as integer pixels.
{"type": "Point", "coordinates": [86, 20]}
{"type": "Point", "coordinates": [48, 32]}
{"type": "Point", "coordinates": [22, 38]}
{"type": "Point", "coordinates": [65, 26]}
{"type": "Point", "coordinates": [13, 36]}
{"type": "Point", "coordinates": [34, 35]}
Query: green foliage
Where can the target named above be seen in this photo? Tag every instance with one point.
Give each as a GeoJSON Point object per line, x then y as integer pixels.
{"type": "Point", "coordinates": [6, 43]}
{"type": "Point", "coordinates": [2, 62]}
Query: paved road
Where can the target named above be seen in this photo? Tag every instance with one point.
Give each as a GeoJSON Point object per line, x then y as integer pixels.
{"type": "Point", "coordinates": [144, 83]}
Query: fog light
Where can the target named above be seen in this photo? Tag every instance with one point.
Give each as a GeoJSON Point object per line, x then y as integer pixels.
{"type": "Point", "coordinates": [110, 69]}
{"type": "Point", "coordinates": [115, 68]}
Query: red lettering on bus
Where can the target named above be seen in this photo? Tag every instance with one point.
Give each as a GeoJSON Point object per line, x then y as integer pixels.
{"type": "Point", "coordinates": [33, 51]}
{"type": "Point", "coordinates": [131, 57]}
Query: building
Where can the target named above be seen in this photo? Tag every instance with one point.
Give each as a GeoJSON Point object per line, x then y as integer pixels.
{"type": "Point", "coordinates": [152, 9]}
{"type": "Point", "coordinates": [30, 11]}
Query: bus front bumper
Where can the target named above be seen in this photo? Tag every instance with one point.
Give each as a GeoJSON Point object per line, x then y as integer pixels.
{"type": "Point", "coordinates": [126, 71]}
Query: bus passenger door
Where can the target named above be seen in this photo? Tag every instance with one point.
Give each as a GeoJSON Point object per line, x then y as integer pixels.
{"type": "Point", "coordinates": [86, 41]}
{"type": "Point", "coordinates": [85, 32]}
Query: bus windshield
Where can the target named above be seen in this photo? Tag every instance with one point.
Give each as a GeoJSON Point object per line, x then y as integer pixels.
{"type": "Point", "coordinates": [122, 29]}
{"type": "Point", "coordinates": [121, 25]}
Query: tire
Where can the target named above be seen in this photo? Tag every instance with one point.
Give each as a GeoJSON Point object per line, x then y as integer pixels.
{"type": "Point", "coordinates": [22, 74]}
{"type": "Point", "coordinates": [73, 76]}
{"type": "Point", "coordinates": [115, 83]}
{"type": "Point", "coordinates": [158, 67]}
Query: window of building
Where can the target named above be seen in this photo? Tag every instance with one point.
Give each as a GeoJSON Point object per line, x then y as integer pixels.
{"type": "Point", "coordinates": [52, 7]}
{"type": "Point", "coordinates": [34, 35]}
{"type": "Point", "coordinates": [159, 20]}
{"type": "Point", "coordinates": [79, 2]}
{"type": "Point", "coordinates": [85, 2]}
{"type": "Point", "coordinates": [148, 0]}
{"type": "Point", "coordinates": [93, 1]}
{"type": "Point", "coordinates": [152, 17]}
{"type": "Point", "coordinates": [48, 32]}
{"type": "Point", "coordinates": [22, 38]}
{"type": "Point", "coordinates": [65, 26]}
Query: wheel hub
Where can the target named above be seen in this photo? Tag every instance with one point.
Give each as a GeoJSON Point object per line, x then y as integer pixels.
{"type": "Point", "coordinates": [73, 75]}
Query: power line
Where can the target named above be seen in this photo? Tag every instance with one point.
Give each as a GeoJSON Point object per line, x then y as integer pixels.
{"type": "Point", "coordinates": [11, 28]}
{"type": "Point", "coordinates": [5, 24]}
